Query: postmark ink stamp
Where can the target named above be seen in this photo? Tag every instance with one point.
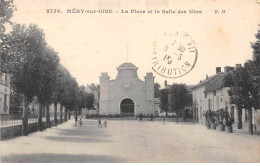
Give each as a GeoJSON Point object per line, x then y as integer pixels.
{"type": "Point", "coordinates": [174, 54]}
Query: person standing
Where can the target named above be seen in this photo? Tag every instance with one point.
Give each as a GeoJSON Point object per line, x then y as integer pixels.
{"type": "Point", "coordinates": [105, 122]}
{"type": "Point", "coordinates": [141, 117]}
{"type": "Point", "coordinates": [99, 122]}
{"type": "Point", "coordinates": [163, 120]}
{"type": "Point", "coordinates": [80, 122]}
{"type": "Point", "coordinates": [76, 120]}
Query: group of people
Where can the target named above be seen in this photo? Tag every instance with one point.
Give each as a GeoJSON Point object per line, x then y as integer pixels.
{"type": "Point", "coordinates": [105, 121]}
{"type": "Point", "coordinates": [76, 121]}
{"type": "Point", "coordinates": [100, 123]}
{"type": "Point", "coordinates": [141, 118]}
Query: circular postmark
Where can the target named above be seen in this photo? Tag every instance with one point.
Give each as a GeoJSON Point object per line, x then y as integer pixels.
{"type": "Point", "coordinates": [174, 55]}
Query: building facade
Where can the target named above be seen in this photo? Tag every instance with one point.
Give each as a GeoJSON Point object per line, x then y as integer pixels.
{"type": "Point", "coordinates": [127, 94]}
{"type": "Point", "coordinates": [210, 94]}
{"type": "Point", "coordinates": [4, 94]}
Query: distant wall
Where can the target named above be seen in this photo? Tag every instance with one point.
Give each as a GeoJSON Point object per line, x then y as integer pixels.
{"type": "Point", "coordinates": [14, 131]}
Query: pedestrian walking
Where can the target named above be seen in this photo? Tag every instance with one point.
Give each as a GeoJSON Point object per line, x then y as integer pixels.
{"type": "Point", "coordinates": [105, 122]}
{"type": "Point", "coordinates": [141, 117]}
{"type": "Point", "coordinates": [163, 120]}
{"type": "Point", "coordinates": [80, 122]}
{"type": "Point", "coordinates": [99, 122]}
{"type": "Point", "coordinates": [76, 120]}
{"type": "Point", "coordinates": [151, 117]}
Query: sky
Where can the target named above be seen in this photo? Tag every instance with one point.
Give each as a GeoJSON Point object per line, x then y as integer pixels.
{"type": "Point", "coordinates": [89, 44]}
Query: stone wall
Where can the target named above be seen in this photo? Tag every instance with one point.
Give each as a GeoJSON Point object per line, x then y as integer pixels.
{"type": "Point", "coordinates": [14, 131]}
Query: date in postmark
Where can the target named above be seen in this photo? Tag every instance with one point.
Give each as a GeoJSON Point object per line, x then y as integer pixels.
{"type": "Point", "coordinates": [174, 54]}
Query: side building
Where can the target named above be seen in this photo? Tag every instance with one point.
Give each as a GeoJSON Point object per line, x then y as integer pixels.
{"type": "Point", "coordinates": [4, 95]}
{"type": "Point", "coordinates": [210, 94]}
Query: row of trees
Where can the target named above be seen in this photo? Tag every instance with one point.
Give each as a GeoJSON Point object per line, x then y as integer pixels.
{"type": "Point", "coordinates": [244, 83]}
{"type": "Point", "coordinates": [35, 71]}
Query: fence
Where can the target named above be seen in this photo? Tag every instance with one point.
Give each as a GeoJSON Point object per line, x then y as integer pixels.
{"type": "Point", "coordinates": [16, 119]}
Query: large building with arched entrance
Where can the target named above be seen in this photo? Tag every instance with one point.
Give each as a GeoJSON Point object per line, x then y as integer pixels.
{"type": "Point", "coordinates": [126, 95]}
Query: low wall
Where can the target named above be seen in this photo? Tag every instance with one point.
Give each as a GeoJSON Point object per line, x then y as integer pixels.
{"type": "Point", "coordinates": [14, 131]}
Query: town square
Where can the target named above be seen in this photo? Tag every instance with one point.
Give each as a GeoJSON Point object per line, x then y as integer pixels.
{"type": "Point", "coordinates": [82, 82]}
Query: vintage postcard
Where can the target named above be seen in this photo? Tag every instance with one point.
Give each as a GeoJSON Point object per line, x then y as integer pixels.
{"type": "Point", "coordinates": [130, 81]}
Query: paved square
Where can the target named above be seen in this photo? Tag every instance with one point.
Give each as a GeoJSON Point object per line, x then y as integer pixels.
{"type": "Point", "coordinates": [131, 141]}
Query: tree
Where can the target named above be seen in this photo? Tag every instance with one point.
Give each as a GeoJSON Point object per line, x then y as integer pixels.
{"type": "Point", "coordinates": [47, 65]}
{"type": "Point", "coordinates": [27, 45]}
{"type": "Point", "coordinates": [244, 84]}
{"type": "Point", "coordinates": [7, 8]}
{"type": "Point", "coordinates": [254, 65]}
{"type": "Point", "coordinates": [178, 96]}
{"type": "Point", "coordinates": [157, 90]}
{"type": "Point", "coordinates": [240, 91]}
{"type": "Point", "coordinates": [164, 100]}
{"type": "Point", "coordinates": [89, 99]}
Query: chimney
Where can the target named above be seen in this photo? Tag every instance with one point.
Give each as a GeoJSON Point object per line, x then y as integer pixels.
{"type": "Point", "coordinates": [165, 84]}
{"type": "Point", "coordinates": [207, 77]}
{"type": "Point", "coordinates": [218, 70]}
{"type": "Point", "coordinates": [238, 65]}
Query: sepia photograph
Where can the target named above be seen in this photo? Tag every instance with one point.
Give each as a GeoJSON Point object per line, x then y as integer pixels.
{"type": "Point", "coordinates": [130, 81]}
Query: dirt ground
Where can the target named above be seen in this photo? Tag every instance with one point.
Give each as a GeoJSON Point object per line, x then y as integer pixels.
{"type": "Point", "coordinates": [131, 141]}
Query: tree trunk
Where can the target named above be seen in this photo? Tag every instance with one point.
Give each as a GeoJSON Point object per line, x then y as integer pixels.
{"type": "Point", "coordinates": [61, 114]}
{"type": "Point", "coordinates": [55, 114]}
{"type": "Point", "coordinates": [65, 116]}
{"type": "Point", "coordinates": [25, 119]}
{"type": "Point", "coordinates": [250, 121]}
{"type": "Point", "coordinates": [194, 114]}
{"type": "Point", "coordinates": [40, 124]}
{"type": "Point", "coordinates": [239, 125]}
{"type": "Point", "coordinates": [48, 122]}
{"type": "Point", "coordinates": [43, 110]}
{"type": "Point", "coordinates": [184, 115]}
{"type": "Point", "coordinates": [177, 117]}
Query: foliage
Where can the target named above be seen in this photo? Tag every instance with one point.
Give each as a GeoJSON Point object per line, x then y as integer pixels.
{"type": "Point", "coordinates": [241, 88]}
{"type": "Point", "coordinates": [157, 90]}
{"type": "Point", "coordinates": [254, 65]}
{"type": "Point", "coordinates": [211, 116]}
{"type": "Point", "coordinates": [27, 46]}
{"type": "Point", "coordinates": [220, 116]}
{"type": "Point", "coordinates": [6, 12]}
{"type": "Point", "coordinates": [164, 99]}
{"type": "Point", "coordinates": [178, 96]}
{"type": "Point", "coordinates": [7, 8]}
{"type": "Point", "coordinates": [228, 119]}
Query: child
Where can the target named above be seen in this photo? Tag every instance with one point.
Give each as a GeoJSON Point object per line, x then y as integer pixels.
{"type": "Point", "coordinates": [105, 123]}
{"type": "Point", "coordinates": [80, 122]}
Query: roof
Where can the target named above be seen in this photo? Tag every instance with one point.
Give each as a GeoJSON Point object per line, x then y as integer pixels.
{"type": "Point", "coordinates": [127, 66]}
{"type": "Point", "coordinates": [216, 83]}
{"type": "Point", "coordinates": [204, 82]}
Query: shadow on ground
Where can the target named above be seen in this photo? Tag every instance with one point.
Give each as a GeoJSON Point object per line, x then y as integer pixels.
{"type": "Point", "coordinates": [88, 133]}
{"type": "Point", "coordinates": [77, 139]}
{"type": "Point", "coordinates": [59, 158]}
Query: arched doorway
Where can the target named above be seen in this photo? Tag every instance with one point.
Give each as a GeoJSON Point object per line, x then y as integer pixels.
{"type": "Point", "coordinates": [127, 107]}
